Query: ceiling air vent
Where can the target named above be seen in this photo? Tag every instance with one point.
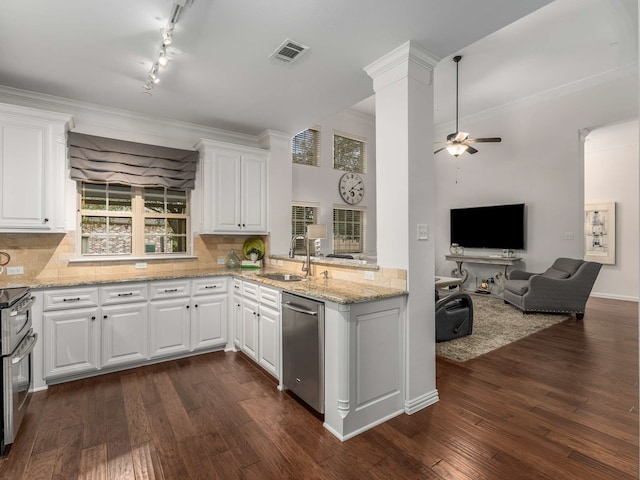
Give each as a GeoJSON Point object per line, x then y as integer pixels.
{"type": "Point", "coordinates": [289, 51]}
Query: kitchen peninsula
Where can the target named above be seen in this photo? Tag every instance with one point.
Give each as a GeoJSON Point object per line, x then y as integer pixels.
{"type": "Point", "coordinates": [111, 325]}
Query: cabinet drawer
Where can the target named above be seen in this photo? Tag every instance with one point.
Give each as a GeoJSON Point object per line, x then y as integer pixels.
{"type": "Point", "coordinates": [250, 290]}
{"type": "Point", "coordinates": [206, 286]}
{"type": "Point", "coordinates": [169, 289]}
{"type": "Point", "coordinates": [127, 293]}
{"type": "Point", "coordinates": [270, 297]}
{"type": "Point", "coordinates": [237, 286]}
{"type": "Point", "coordinates": [70, 298]}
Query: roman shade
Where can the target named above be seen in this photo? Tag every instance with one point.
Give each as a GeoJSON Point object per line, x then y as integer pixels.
{"type": "Point", "coordinates": [107, 160]}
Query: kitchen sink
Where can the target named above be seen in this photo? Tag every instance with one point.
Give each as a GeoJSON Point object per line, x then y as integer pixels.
{"type": "Point", "coordinates": [282, 277]}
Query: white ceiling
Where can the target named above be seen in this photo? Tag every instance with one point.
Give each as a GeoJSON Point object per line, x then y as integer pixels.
{"type": "Point", "coordinates": [101, 51]}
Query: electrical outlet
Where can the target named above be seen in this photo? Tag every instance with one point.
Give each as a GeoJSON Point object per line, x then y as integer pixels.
{"type": "Point", "coordinates": [568, 235]}
{"type": "Point", "coordinates": [15, 270]}
{"type": "Point", "coordinates": [221, 261]}
{"type": "Point", "coordinates": [141, 265]}
{"type": "Point", "coordinates": [369, 276]}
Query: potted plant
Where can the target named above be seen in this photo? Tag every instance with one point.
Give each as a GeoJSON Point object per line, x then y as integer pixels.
{"type": "Point", "coordinates": [254, 253]}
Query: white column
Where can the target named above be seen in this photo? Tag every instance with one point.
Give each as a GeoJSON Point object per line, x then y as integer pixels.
{"type": "Point", "coordinates": [280, 181]}
{"type": "Point", "coordinates": [405, 177]}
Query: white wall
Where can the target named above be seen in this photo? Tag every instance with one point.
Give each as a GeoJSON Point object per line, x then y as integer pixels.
{"type": "Point", "coordinates": [539, 162]}
{"type": "Point", "coordinates": [611, 175]}
{"type": "Point", "coordinates": [318, 186]}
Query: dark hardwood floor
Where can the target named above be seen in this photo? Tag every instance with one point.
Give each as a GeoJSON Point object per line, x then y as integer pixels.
{"type": "Point", "coordinates": [559, 404]}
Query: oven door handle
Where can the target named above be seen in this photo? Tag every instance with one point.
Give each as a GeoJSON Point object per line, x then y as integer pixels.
{"type": "Point", "coordinates": [26, 350]}
{"type": "Point", "coordinates": [23, 308]}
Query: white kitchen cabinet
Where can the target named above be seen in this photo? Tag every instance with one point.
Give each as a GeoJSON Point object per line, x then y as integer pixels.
{"type": "Point", "coordinates": [234, 188]}
{"type": "Point", "coordinates": [209, 313]}
{"type": "Point", "coordinates": [269, 340]}
{"type": "Point", "coordinates": [261, 323]}
{"type": "Point", "coordinates": [169, 326]}
{"type": "Point", "coordinates": [237, 314]}
{"type": "Point", "coordinates": [32, 170]}
{"type": "Point", "coordinates": [71, 342]}
{"type": "Point", "coordinates": [124, 334]}
{"type": "Point", "coordinates": [250, 318]}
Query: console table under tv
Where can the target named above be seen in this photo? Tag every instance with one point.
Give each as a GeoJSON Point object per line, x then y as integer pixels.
{"type": "Point", "coordinates": [486, 259]}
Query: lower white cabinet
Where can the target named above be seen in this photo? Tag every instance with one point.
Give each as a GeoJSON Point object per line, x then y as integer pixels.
{"type": "Point", "coordinates": [237, 314]}
{"type": "Point", "coordinates": [250, 316]}
{"type": "Point", "coordinates": [269, 340]}
{"type": "Point", "coordinates": [209, 314]}
{"type": "Point", "coordinates": [92, 328]}
{"type": "Point", "coordinates": [257, 324]}
{"type": "Point", "coordinates": [124, 334]}
{"type": "Point", "coordinates": [71, 342]}
{"type": "Point", "coordinates": [169, 327]}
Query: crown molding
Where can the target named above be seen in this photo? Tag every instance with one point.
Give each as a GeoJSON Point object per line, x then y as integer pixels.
{"type": "Point", "coordinates": [88, 116]}
{"type": "Point", "coordinates": [408, 60]}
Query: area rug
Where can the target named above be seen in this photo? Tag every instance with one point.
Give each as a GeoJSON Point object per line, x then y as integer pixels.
{"type": "Point", "coordinates": [495, 324]}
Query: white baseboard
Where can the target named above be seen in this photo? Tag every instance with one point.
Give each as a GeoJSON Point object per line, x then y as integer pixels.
{"type": "Point", "coordinates": [423, 401]}
{"type": "Point", "coordinates": [613, 296]}
{"type": "Point", "coordinates": [343, 438]}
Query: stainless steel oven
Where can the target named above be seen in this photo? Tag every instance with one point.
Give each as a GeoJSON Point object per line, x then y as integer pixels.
{"type": "Point", "coordinates": [17, 340]}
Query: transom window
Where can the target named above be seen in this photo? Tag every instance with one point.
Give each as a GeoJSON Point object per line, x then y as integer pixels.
{"type": "Point", "coordinates": [349, 152]}
{"type": "Point", "coordinates": [348, 230]}
{"type": "Point", "coordinates": [305, 147]}
{"type": "Point", "coordinates": [125, 220]}
{"type": "Point", "coordinates": [301, 216]}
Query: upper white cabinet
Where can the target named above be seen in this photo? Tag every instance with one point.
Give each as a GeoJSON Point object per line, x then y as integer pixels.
{"type": "Point", "coordinates": [233, 188]}
{"type": "Point", "coordinates": [32, 169]}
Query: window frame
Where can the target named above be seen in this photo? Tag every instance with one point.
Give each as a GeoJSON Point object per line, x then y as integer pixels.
{"type": "Point", "coordinates": [316, 139]}
{"type": "Point", "coordinates": [362, 164]}
{"type": "Point", "coordinates": [299, 246]}
{"type": "Point", "coordinates": [362, 226]}
{"type": "Point", "coordinates": [138, 217]}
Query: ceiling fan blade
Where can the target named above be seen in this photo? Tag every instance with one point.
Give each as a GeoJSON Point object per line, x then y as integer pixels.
{"type": "Point", "coordinates": [471, 150]}
{"type": "Point", "coordinates": [439, 150]}
{"type": "Point", "coordinates": [484, 140]}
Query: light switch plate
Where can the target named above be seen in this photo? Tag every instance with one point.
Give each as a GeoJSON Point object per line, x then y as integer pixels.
{"type": "Point", "coordinates": [423, 231]}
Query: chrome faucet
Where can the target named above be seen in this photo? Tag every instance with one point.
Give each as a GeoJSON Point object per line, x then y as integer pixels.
{"type": "Point", "coordinates": [306, 266]}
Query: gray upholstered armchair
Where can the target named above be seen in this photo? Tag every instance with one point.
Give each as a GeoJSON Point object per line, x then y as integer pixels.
{"type": "Point", "coordinates": [563, 288]}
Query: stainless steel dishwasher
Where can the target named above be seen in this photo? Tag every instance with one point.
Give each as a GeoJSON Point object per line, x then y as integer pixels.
{"type": "Point", "coordinates": [303, 349]}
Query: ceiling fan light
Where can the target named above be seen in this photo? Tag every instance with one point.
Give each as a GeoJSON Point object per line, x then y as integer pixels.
{"type": "Point", "coordinates": [457, 149]}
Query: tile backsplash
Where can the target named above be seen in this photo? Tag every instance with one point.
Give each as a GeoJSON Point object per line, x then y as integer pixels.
{"type": "Point", "coordinates": [46, 257]}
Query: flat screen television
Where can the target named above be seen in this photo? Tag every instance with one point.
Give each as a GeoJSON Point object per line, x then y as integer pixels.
{"type": "Point", "coordinates": [496, 226]}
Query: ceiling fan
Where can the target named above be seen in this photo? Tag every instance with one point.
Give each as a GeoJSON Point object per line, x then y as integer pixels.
{"type": "Point", "coordinates": [459, 142]}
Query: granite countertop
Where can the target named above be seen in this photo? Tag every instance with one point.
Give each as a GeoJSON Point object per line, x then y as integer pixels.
{"type": "Point", "coordinates": [332, 290]}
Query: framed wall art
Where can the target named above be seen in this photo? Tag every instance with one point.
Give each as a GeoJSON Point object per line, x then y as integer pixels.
{"type": "Point", "coordinates": [600, 232]}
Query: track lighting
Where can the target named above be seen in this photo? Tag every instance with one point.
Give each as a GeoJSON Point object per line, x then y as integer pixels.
{"type": "Point", "coordinates": [167, 38]}
{"type": "Point", "coordinates": [163, 58]}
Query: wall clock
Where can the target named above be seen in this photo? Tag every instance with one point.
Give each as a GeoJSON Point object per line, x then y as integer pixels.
{"type": "Point", "coordinates": [351, 188]}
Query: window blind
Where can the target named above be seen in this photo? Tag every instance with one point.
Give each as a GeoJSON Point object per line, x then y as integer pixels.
{"type": "Point", "coordinates": [107, 160]}
{"type": "Point", "coordinates": [305, 147]}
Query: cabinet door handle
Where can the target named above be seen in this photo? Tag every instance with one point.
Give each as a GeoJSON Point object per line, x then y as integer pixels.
{"type": "Point", "coordinates": [238, 224]}
{"type": "Point", "coordinates": [187, 306]}
{"type": "Point", "coordinates": [93, 318]}
{"type": "Point", "coordinates": [170, 290]}
{"type": "Point", "coordinates": [46, 220]}
{"type": "Point", "coordinates": [77, 299]}
{"type": "Point", "coordinates": [211, 286]}
{"type": "Point", "coordinates": [104, 316]}
{"type": "Point", "coordinates": [128, 294]}
{"type": "Point", "coordinates": [196, 305]}
{"type": "Point", "coordinates": [243, 225]}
